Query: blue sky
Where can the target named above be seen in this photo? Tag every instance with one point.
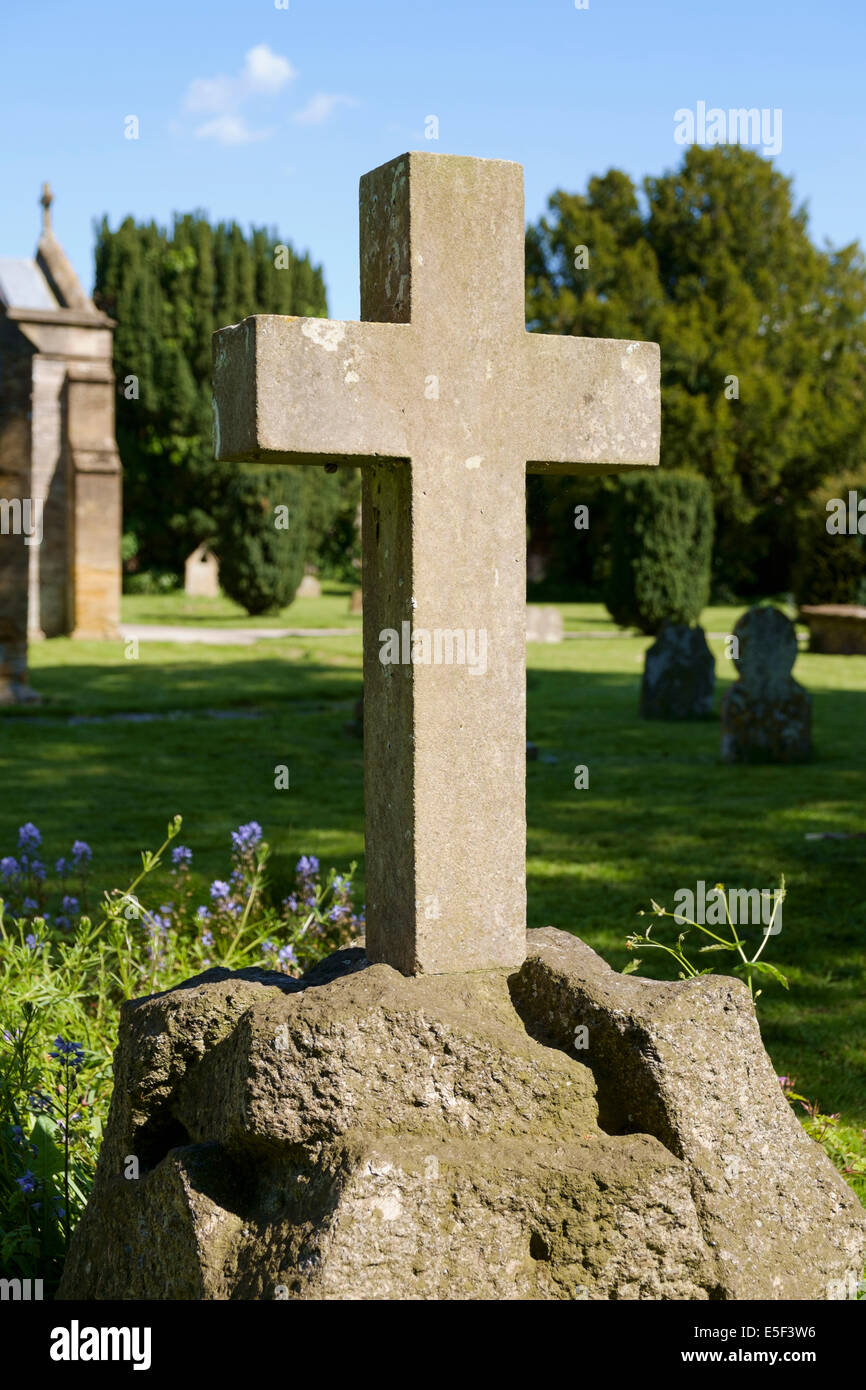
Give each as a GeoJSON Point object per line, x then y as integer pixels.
{"type": "Point", "coordinates": [271, 115]}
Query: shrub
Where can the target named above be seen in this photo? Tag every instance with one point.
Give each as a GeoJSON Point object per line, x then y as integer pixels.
{"type": "Point", "coordinates": [261, 540]}
{"type": "Point", "coordinates": [829, 567]}
{"type": "Point", "coordinates": [661, 550]}
{"type": "Point", "coordinates": [65, 973]}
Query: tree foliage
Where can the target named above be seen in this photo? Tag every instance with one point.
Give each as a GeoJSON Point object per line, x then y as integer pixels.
{"type": "Point", "coordinates": [168, 292]}
{"type": "Point", "coordinates": [715, 263]}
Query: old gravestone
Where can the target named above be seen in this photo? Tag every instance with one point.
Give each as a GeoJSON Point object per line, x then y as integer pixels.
{"type": "Point", "coordinates": [60, 482]}
{"type": "Point", "coordinates": [543, 624]}
{"type": "Point", "coordinates": [449, 1115]}
{"type": "Point", "coordinates": [766, 715]}
{"type": "Point", "coordinates": [309, 587]}
{"type": "Point", "coordinates": [679, 675]}
{"type": "Point", "coordinates": [201, 574]}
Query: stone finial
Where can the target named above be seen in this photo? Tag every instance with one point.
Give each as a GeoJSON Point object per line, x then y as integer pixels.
{"type": "Point", "coordinates": [46, 200]}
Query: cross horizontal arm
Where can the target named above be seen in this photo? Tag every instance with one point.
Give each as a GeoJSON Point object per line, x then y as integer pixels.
{"type": "Point", "coordinates": [590, 401]}
{"type": "Point", "coordinates": [299, 390]}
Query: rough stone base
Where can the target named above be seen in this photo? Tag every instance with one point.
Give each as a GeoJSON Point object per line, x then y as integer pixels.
{"type": "Point", "coordinates": [364, 1135]}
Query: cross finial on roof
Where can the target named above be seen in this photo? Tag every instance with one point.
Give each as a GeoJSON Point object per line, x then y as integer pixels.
{"type": "Point", "coordinates": [46, 200]}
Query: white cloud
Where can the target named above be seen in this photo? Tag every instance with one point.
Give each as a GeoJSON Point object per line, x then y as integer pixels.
{"type": "Point", "coordinates": [263, 72]}
{"type": "Point", "coordinates": [321, 106]}
{"type": "Point", "coordinates": [230, 130]}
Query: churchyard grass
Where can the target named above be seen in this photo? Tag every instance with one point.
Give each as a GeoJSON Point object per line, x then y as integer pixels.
{"type": "Point", "coordinates": [661, 811]}
{"type": "Point", "coordinates": [176, 607]}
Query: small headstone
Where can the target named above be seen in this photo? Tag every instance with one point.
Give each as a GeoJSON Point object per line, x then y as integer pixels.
{"type": "Point", "coordinates": [356, 603]}
{"type": "Point", "coordinates": [543, 624]}
{"type": "Point", "coordinates": [766, 714]}
{"type": "Point", "coordinates": [201, 574]}
{"type": "Point", "coordinates": [679, 675]}
{"type": "Point", "coordinates": [309, 587]}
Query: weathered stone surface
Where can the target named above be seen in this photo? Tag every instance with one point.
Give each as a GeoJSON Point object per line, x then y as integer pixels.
{"type": "Point", "coordinates": [766, 715]}
{"type": "Point", "coordinates": [836, 628]}
{"type": "Point", "coordinates": [445, 400]}
{"type": "Point", "coordinates": [684, 1062]}
{"type": "Point", "coordinates": [201, 574]}
{"type": "Point", "coordinates": [679, 675]}
{"type": "Point", "coordinates": [365, 1135]}
{"type": "Point", "coordinates": [543, 624]}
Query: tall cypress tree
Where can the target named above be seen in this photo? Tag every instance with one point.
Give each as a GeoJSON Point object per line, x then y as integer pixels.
{"type": "Point", "coordinates": [168, 291]}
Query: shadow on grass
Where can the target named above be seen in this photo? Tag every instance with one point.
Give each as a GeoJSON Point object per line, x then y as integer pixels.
{"type": "Point", "coordinates": [661, 812]}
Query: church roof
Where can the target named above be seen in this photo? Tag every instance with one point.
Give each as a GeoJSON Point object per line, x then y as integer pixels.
{"type": "Point", "coordinates": [23, 286]}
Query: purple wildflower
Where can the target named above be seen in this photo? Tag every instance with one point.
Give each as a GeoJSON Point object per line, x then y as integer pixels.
{"type": "Point", "coordinates": [246, 837]}
{"type": "Point", "coordinates": [207, 938]}
{"type": "Point", "coordinates": [307, 866]}
{"type": "Point", "coordinates": [81, 854]}
{"type": "Point", "coordinates": [70, 1053]}
{"type": "Point", "coordinates": [219, 891]}
{"type": "Point", "coordinates": [29, 837]}
{"type": "Point", "coordinates": [181, 856]}
{"type": "Point", "coordinates": [28, 1183]}
{"type": "Point", "coordinates": [8, 867]}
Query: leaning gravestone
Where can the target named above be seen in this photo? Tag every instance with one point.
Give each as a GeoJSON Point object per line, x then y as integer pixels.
{"type": "Point", "coordinates": [679, 675]}
{"type": "Point", "coordinates": [416, 1122]}
{"type": "Point", "coordinates": [766, 715]}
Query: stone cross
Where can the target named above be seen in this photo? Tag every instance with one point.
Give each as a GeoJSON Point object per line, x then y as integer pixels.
{"type": "Point", "coordinates": [445, 400]}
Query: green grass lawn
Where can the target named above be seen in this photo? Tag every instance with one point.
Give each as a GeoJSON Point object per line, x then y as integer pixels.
{"type": "Point", "coordinates": [331, 610]}
{"type": "Point", "coordinates": [660, 813]}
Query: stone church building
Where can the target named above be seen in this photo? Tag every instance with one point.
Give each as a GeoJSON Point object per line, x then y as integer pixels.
{"type": "Point", "coordinates": [60, 475]}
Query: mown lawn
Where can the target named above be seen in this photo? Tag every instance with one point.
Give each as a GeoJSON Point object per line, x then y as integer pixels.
{"type": "Point", "coordinates": [660, 813]}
